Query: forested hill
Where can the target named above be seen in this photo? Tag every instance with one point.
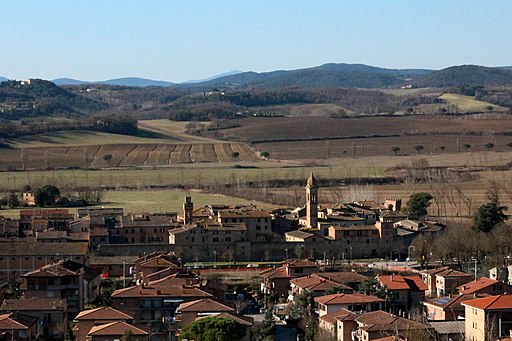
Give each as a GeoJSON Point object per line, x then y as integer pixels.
{"type": "Point", "coordinates": [43, 98]}
{"type": "Point", "coordinates": [472, 75]}
{"type": "Point", "coordinates": [324, 76]}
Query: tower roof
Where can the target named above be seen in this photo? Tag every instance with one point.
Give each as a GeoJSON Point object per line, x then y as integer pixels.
{"type": "Point", "coordinates": [311, 181]}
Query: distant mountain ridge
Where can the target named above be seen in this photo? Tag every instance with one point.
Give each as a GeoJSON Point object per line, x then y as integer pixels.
{"type": "Point", "coordinates": [331, 75]}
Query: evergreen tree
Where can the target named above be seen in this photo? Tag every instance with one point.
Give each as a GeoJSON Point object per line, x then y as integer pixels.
{"type": "Point", "coordinates": [416, 207]}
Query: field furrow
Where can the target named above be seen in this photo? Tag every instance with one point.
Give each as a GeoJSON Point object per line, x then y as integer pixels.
{"type": "Point", "coordinates": [246, 153]}
{"type": "Point", "coordinates": [203, 153]}
{"type": "Point", "coordinates": [138, 155]}
{"type": "Point", "coordinates": [224, 152]}
{"type": "Point", "coordinates": [181, 154]}
{"type": "Point", "coordinates": [160, 155]}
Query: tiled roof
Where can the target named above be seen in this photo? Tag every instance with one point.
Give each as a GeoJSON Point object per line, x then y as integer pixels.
{"type": "Point", "coordinates": [399, 282]}
{"type": "Point", "coordinates": [341, 315]}
{"type": "Point", "coordinates": [347, 299]}
{"type": "Point", "coordinates": [244, 214]}
{"type": "Point", "coordinates": [299, 234]}
{"type": "Point", "coordinates": [13, 321]}
{"type": "Point", "coordinates": [452, 273]}
{"type": "Point", "coordinates": [204, 305]}
{"type": "Point", "coordinates": [161, 291]}
{"type": "Point", "coordinates": [344, 277]}
{"type": "Point", "coordinates": [280, 272]}
{"type": "Point", "coordinates": [316, 283]}
{"type": "Point", "coordinates": [375, 317]}
{"type": "Point", "coordinates": [114, 260]}
{"type": "Point", "coordinates": [475, 286]}
{"type": "Point", "coordinates": [53, 270]}
{"type": "Point", "coordinates": [231, 317]}
{"type": "Point", "coordinates": [382, 321]}
{"type": "Point", "coordinates": [33, 304]}
{"type": "Point", "coordinates": [103, 313]}
{"type": "Point", "coordinates": [499, 302]}
{"type": "Point", "coordinates": [115, 328]}
{"type": "Point", "coordinates": [454, 302]}
{"type": "Point", "coordinates": [300, 263]}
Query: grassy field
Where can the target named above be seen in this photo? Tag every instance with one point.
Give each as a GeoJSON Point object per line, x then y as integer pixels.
{"type": "Point", "coordinates": [468, 103]}
{"type": "Point", "coordinates": [152, 201]}
{"type": "Point", "coordinates": [199, 174]}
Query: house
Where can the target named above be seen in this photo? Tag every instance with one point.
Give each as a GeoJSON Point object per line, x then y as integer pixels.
{"type": "Point", "coordinates": [115, 331]}
{"type": "Point", "coordinates": [142, 228]}
{"type": "Point", "coordinates": [15, 326]}
{"type": "Point", "coordinates": [488, 318]}
{"type": "Point", "coordinates": [502, 274]}
{"type": "Point", "coordinates": [357, 241]}
{"type": "Point", "coordinates": [51, 314]}
{"type": "Point", "coordinates": [87, 319]}
{"type": "Point", "coordinates": [299, 236]}
{"type": "Point", "coordinates": [403, 291]}
{"type": "Point", "coordinates": [157, 301]}
{"type": "Point", "coordinates": [316, 285]}
{"type": "Point", "coordinates": [353, 302]}
{"type": "Point", "coordinates": [188, 312]}
{"type": "Point", "coordinates": [376, 325]}
{"type": "Point", "coordinates": [155, 265]}
{"type": "Point", "coordinates": [484, 285]}
{"type": "Point", "coordinates": [348, 278]}
{"type": "Point", "coordinates": [74, 282]}
{"type": "Point", "coordinates": [329, 328]}
{"type": "Point", "coordinates": [258, 222]}
{"type": "Point", "coordinates": [277, 280]}
{"type": "Point", "coordinates": [446, 308]}
{"type": "Point", "coordinates": [443, 281]}
{"type": "Point", "coordinates": [113, 266]}
{"type": "Point", "coordinates": [20, 257]}
{"type": "Point", "coordinates": [449, 330]}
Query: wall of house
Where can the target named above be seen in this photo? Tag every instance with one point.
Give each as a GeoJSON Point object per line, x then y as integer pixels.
{"type": "Point", "coordinates": [475, 324]}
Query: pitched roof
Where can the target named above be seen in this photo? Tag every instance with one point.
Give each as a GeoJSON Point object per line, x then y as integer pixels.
{"type": "Point", "coordinates": [299, 234]}
{"type": "Point", "coordinates": [231, 317]}
{"type": "Point", "coordinates": [33, 304]}
{"type": "Point", "coordinates": [475, 286]}
{"type": "Point", "coordinates": [115, 328]}
{"type": "Point", "coordinates": [347, 299]}
{"type": "Point", "coordinates": [375, 317]}
{"type": "Point", "coordinates": [204, 305]}
{"type": "Point", "coordinates": [57, 269]}
{"type": "Point", "coordinates": [316, 283]}
{"type": "Point", "coordinates": [448, 273]}
{"type": "Point", "coordinates": [344, 277]}
{"type": "Point", "coordinates": [499, 302]}
{"type": "Point", "coordinates": [280, 272]}
{"type": "Point", "coordinates": [399, 282]}
{"type": "Point", "coordinates": [382, 321]}
{"type": "Point", "coordinates": [454, 302]}
{"type": "Point", "coordinates": [341, 315]}
{"type": "Point", "coordinates": [165, 287]}
{"type": "Point", "coordinates": [103, 313]}
{"type": "Point", "coordinates": [14, 321]}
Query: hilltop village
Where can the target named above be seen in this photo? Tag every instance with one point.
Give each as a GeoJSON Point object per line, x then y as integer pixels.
{"type": "Point", "coordinates": [341, 271]}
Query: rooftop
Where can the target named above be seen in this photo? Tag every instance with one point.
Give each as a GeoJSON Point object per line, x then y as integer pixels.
{"type": "Point", "coordinates": [33, 304]}
{"type": "Point", "coordinates": [347, 299]}
{"type": "Point", "coordinates": [103, 313]}
{"type": "Point", "coordinates": [499, 302]}
{"type": "Point", "coordinates": [115, 328]}
{"type": "Point", "coordinates": [204, 305]}
{"type": "Point", "coordinates": [399, 282]}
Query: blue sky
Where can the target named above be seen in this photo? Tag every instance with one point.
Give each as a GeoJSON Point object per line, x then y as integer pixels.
{"type": "Point", "coordinates": [192, 39]}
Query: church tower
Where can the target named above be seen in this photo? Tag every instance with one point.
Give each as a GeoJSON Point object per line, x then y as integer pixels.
{"type": "Point", "coordinates": [311, 202]}
{"type": "Point", "coordinates": [188, 207]}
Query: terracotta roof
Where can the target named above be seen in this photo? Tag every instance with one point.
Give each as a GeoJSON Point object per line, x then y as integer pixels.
{"type": "Point", "coordinates": [115, 328]}
{"type": "Point", "coordinates": [452, 273]}
{"type": "Point", "coordinates": [103, 313]}
{"type": "Point", "coordinates": [499, 302]}
{"type": "Point", "coordinates": [280, 272]}
{"type": "Point", "coordinates": [204, 305]}
{"type": "Point", "coordinates": [299, 234]}
{"type": "Point", "coordinates": [475, 286]}
{"type": "Point", "coordinates": [341, 315]}
{"type": "Point", "coordinates": [112, 260]}
{"type": "Point", "coordinates": [347, 299]}
{"type": "Point", "coordinates": [14, 321]}
{"type": "Point", "coordinates": [454, 302]}
{"type": "Point", "coordinates": [344, 277]}
{"type": "Point", "coordinates": [399, 282]}
{"type": "Point", "coordinates": [231, 317]}
{"type": "Point", "coordinates": [157, 262]}
{"type": "Point", "coordinates": [57, 269]}
{"type": "Point", "coordinates": [375, 317]}
{"type": "Point", "coordinates": [33, 304]}
{"type": "Point", "coordinates": [317, 283]}
{"type": "Point", "coordinates": [390, 338]}
{"type": "Point", "coordinates": [300, 263]}
{"type": "Point", "coordinates": [244, 214]}
{"type": "Point", "coordinates": [163, 290]}
{"type": "Point", "coordinates": [382, 321]}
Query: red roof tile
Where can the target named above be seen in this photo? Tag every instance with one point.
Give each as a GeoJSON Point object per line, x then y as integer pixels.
{"type": "Point", "coordinates": [500, 302]}
{"type": "Point", "coordinates": [475, 286]}
{"type": "Point", "coordinates": [399, 282]}
{"type": "Point", "coordinates": [347, 299]}
{"type": "Point", "coordinates": [115, 328]}
{"type": "Point", "coordinates": [103, 313]}
{"type": "Point", "coordinates": [204, 305]}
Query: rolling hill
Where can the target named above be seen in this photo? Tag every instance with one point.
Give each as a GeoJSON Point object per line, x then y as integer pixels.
{"type": "Point", "coordinates": [472, 75]}
{"type": "Point", "coordinates": [127, 81]}
{"type": "Point", "coordinates": [2, 79]}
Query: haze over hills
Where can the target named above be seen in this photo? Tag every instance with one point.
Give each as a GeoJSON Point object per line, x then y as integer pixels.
{"type": "Point", "coordinates": [331, 75]}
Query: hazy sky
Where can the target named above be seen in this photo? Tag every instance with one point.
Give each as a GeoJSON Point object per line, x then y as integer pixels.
{"type": "Point", "coordinates": [184, 40]}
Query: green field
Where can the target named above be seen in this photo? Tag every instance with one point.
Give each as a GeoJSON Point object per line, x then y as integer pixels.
{"type": "Point", "coordinates": [152, 201]}
{"type": "Point", "coordinates": [468, 103]}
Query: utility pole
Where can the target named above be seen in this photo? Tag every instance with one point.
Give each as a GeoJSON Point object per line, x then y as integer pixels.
{"type": "Point", "coordinates": [124, 274]}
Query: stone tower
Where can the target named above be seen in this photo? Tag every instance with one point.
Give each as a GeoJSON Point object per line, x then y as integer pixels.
{"type": "Point", "coordinates": [311, 202]}
{"type": "Point", "coordinates": [188, 207]}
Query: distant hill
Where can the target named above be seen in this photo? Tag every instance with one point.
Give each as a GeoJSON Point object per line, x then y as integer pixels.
{"type": "Point", "coordinates": [229, 73]}
{"type": "Point", "coordinates": [2, 79]}
{"type": "Point", "coordinates": [466, 75]}
{"type": "Point", "coordinates": [127, 81]}
{"type": "Point", "coordinates": [323, 76]}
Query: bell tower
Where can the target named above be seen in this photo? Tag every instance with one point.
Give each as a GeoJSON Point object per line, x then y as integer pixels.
{"type": "Point", "coordinates": [188, 207]}
{"type": "Point", "coordinates": [311, 202]}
